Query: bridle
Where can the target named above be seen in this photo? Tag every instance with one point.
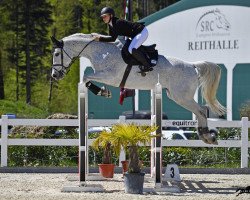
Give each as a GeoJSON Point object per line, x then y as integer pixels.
{"type": "Point", "coordinates": [65, 69]}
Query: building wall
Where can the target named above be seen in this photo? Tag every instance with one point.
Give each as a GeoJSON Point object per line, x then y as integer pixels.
{"type": "Point", "coordinates": [215, 31]}
{"type": "Point", "coordinates": [176, 30]}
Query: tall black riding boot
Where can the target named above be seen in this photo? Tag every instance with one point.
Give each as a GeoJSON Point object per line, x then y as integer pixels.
{"type": "Point", "coordinates": [139, 56]}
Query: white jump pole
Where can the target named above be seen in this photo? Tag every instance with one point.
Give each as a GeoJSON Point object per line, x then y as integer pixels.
{"type": "Point", "coordinates": [83, 145]}
{"type": "Point", "coordinates": [158, 146]}
{"type": "Point", "coordinates": [82, 116]}
{"type": "Point", "coordinates": [152, 153]}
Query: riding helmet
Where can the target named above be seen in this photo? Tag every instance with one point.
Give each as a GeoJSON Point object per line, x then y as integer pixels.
{"type": "Point", "coordinates": [107, 10]}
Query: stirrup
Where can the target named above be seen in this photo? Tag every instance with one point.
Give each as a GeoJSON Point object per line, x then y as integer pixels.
{"type": "Point", "coordinates": [144, 70]}
{"type": "Point", "coordinates": [105, 92]}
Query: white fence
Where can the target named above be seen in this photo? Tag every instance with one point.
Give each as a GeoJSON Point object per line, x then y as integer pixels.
{"type": "Point", "coordinates": [243, 144]}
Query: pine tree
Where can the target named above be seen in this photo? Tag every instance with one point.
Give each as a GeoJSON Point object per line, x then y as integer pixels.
{"type": "Point", "coordinates": [4, 35]}
{"type": "Point", "coordinates": [1, 77]}
{"type": "Point", "coordinates": [31, 26]}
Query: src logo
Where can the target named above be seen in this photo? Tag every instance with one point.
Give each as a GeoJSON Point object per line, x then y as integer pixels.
{"type": "Point", "coordinates": [211, 21]}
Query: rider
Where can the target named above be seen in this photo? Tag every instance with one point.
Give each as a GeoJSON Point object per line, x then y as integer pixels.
{"type": "Point", "coordinates": [136, 31]}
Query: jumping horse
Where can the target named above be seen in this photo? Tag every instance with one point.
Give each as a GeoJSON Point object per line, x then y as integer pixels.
{"type": "Point", "coordinates": [180, 78]}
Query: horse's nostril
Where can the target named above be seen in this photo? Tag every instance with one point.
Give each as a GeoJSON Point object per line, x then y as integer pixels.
{"type": "Point", "coordinates": [54, 75]}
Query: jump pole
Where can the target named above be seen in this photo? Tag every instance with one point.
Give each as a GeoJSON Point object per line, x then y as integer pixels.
{"type": "Point", "coordinates": [83, 145]}
{"type": "Point", "coordinates": [156, 144]}
{"type": "Point", "coordinates": [152, 152]}
{"type": "Point", "coordinates": [82, 118]}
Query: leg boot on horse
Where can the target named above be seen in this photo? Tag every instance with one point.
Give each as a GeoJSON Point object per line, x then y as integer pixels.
{"type": "Point", "coordinates": [103, 91]}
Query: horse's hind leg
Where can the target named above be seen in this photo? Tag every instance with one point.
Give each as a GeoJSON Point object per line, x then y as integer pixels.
{"type": "Point", "coordinates": [200, 113]}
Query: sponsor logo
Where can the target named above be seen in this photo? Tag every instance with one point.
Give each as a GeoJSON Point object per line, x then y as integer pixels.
{"type": "Point", "coordinates": [213, 33]}
{"type": "Point", "coordinates": [213, 22]}
{"type": "Point", "coordinates": [182, 123]}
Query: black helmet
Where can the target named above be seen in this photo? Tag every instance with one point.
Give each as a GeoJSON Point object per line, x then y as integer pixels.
{"type": "Point", "coordinates": [107, 10]}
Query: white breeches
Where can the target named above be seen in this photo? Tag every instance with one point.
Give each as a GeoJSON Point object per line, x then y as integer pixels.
{"type": "Point", "coordinates": [138, 40]}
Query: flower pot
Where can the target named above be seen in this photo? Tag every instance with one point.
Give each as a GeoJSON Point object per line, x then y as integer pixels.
{"type": "Point", "coordinates": [106, 170]}
{"type": "Point", "coordinates": [134, 183]}
{"type": "Point", "coordinates": [125, 164]}
{"type": "Point", "coordinates": [124, 167]}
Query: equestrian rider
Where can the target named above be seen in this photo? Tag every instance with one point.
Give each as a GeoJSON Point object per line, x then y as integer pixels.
{"type": "Point", "coordinates": [119, 27]}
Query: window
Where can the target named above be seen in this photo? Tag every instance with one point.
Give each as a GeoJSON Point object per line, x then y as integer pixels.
{"type": "Point", "coordinates": [177, 136]}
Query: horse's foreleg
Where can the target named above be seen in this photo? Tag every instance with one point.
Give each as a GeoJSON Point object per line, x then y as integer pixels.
{"type": "Point", "coordinates": [93, 88]}
{"type": "Point", "coordinates": [103, 91]}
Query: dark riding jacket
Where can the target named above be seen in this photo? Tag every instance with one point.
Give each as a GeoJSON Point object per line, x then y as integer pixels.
{"type": "Point", "coordinates": [122, 27]}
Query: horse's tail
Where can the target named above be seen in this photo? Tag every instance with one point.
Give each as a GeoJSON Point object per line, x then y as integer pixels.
{"type": "Point", "coordinates": [209, 78]}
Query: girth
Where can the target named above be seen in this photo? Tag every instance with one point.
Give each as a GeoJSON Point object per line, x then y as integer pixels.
{"type": "Point", "coordinates": [125, 75]}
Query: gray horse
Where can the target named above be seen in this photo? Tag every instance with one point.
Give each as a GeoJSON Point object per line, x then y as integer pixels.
{"type": "Point", "coordinates": [179, 78]}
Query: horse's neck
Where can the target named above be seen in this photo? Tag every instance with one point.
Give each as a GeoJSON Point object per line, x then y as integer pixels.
{"type": "Point", "coordinates": [102, 54]}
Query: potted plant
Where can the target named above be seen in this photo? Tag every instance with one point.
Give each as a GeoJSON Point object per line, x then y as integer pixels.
{"type": "Point", "coordinates": [129, 136]}
{"type": "Point", "coordinates": [102, 142]}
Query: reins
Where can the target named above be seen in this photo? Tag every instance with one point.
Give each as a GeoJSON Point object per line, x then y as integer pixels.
{"type": "Point", "coordinates": [71, 58]}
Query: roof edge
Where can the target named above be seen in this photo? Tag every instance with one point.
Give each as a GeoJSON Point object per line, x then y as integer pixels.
{"type": "Point", "coordinates": [189, 4]}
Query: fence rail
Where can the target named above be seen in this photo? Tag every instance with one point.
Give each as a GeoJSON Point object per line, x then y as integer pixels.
{"type": "Point", "coordinates": [243, 144]}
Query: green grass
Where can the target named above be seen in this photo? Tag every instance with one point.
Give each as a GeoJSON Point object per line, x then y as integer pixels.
{"type": "Point", "coordinates": [21, 109]}
{"type": "Point", "coordinates": [214, 165]}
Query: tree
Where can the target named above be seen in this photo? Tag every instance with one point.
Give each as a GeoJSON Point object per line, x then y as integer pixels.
{"type": "Point", "coordinates": [29, 21]}
{"type": "Point", "coordinates": [3, 43]}
{"type": "Point", "coordinates": [1, 78]}
{"type": "Point", "coordinates": [25, 45]}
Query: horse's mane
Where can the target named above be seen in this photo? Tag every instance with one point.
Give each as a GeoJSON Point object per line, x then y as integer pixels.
{"type": "Point", "coordinates": [118, 43]}
{"type": "Point", "coordinates": [79, 35]}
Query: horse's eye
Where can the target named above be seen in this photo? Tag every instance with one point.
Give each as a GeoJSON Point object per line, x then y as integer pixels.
{"type": "Point", "coordinates": [56, 54]}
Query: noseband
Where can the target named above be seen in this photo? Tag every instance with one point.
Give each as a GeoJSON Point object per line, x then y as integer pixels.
{"type": "Point", "coordinates": [64, 69]}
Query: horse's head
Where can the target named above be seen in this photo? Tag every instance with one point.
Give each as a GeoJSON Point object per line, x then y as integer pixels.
{"type": "Point", "coordinates": [66, 51]}
{"type": "Point", "coordinates": [61, 59]}
{"type": "Point", "coordinates": [221, 21]}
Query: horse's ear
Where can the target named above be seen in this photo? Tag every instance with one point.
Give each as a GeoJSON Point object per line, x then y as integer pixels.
{"type": "Point", "coordinates": [56, 42]}
{"type": "Point", "coordinates": [53, 39]}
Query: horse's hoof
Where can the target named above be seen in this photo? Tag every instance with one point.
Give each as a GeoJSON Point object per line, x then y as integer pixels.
{"type": "Point", "coordinates": [105, 92]}
{"type": "Point", "coordinates": [213, 134]}
{"type": "Point", "coordinates": [201, 137]}
{"type": "Point", "coordinates": [211, 138]}
{"type": "Point", "coordinates": [207, 136]}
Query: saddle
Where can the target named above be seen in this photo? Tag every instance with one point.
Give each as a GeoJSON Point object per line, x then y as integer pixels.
{"type": "Point", "coordinates": [149, 51]}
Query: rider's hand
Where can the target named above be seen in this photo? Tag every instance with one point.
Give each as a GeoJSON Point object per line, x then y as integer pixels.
{"type": "Point", "coordinates": [96, 37]}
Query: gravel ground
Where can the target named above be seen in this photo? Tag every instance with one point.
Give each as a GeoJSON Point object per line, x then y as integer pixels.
{"type": "Point", "coordinates": [23, 186]}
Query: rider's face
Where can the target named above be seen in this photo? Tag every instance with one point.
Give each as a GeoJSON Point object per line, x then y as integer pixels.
{"type": "Point", "coordinates": [106, 18]}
